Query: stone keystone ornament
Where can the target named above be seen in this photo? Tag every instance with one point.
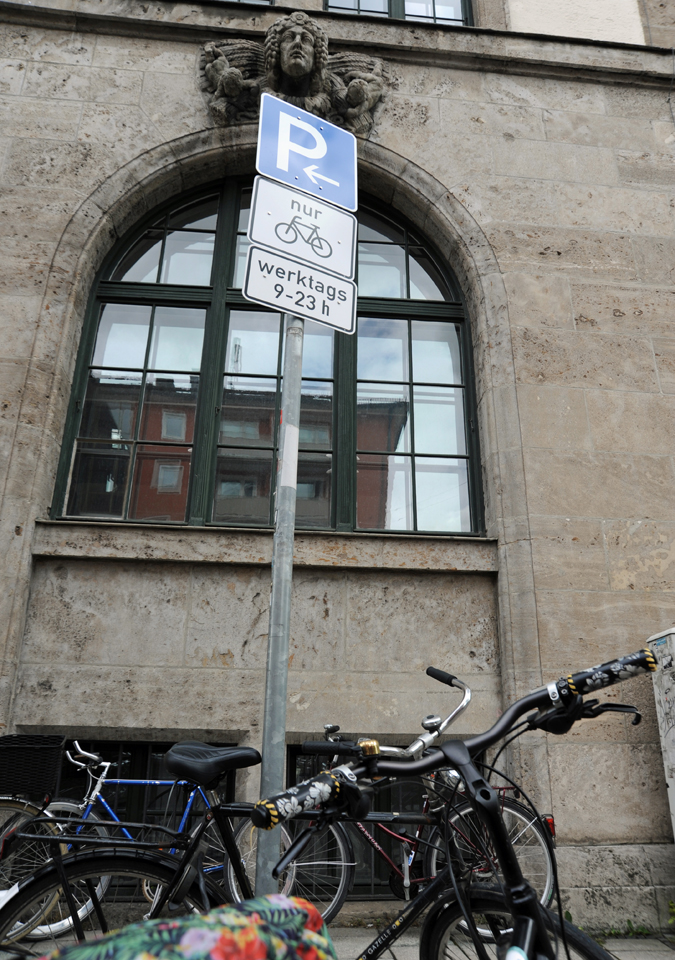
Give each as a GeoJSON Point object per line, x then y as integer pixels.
{"type": "Point", "coordinates": [294, 65]}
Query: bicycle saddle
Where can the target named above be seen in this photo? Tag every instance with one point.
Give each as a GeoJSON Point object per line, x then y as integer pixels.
{"type": "Point", "coordinates": [205, 765]}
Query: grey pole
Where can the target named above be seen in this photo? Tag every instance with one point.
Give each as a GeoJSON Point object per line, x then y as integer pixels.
{"type": "Point", "coordinates": [276, 683]}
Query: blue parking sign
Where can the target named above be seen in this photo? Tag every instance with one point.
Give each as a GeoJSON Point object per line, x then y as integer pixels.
{"type": "Point", "coordinates": [306, 152]}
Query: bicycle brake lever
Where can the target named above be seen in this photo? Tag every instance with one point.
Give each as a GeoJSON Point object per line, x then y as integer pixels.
{"type": "Point", "coordinates": [592, 708]}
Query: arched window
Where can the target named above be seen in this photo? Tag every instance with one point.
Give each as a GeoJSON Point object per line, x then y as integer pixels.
{"type": "Point", "coordinates": [175, 406]}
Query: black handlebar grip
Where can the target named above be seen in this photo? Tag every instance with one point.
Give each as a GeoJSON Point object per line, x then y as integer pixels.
{"type": "Point", "coordinates": [440, 675]}
{"type": "Point", "coordinates": [606, 674]}
{"type": "Point", "coordinates": [308, 795]}
{"type": "Point", "coordinates": [328, 748]}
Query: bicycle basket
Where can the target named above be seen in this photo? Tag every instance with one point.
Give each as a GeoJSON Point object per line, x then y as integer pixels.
{"type": "Point", "coordinates": [30, 764]}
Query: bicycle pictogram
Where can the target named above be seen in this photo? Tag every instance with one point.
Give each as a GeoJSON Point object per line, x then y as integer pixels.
{"type": "Point", "coordinates": [289, 233]}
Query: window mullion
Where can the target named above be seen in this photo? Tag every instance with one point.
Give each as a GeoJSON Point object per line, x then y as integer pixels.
{"type": "Point", "coordinates": [207, 420]}
{"type": "Point", "coordinates": [344, 446]}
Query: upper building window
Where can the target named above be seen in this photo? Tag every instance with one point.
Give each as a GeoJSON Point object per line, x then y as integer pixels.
{"type": "Point", "coordinates": [175, 408]}
{"type": "Point", "coordinates": [457, 13]}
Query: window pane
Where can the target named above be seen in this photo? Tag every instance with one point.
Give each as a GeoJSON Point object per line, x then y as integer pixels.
{"type": "Point", "coordinates": [384, 493]}
{"type": "Point", "coordinates": [317, 350]}
{"type": "Point", "coordinates": [252, 342]}
{"type": "Point", "coordinates": [141, 263]}
{"type": "Point", "coordinates": [418, 8]}
{"type": "Point", "coordinates": [122, 335]}
{"type": "Point", "coordinates": [240, 262]}
{"type": "Point", "coordinates": [312, 508]}
{"type": "Point", "coordinates": [372, 227]}
{"type": "Point", "coordinates": [426, 283]}
{"type": "Point", "coordinates": [439, 420]}
{"type": "Point", "coordinates": [244, 210]}
{"type": "Point", "coordinates": [201, 215]}
{"type": "Point", "coordinates": [316, 415]}
{"type": "Point", "coordinates": [99, 479]}
{"type": "Point", "coordinates": [188, 258]}
{"type": "Point", "coordinates": [442, 495]}
{"type": "Point", "coordinates": [448, 13]}
{"type": "Point", "coordinates": [169, 407]}
{"type": "Point", "coordinates": [375, 6]}
{"type": "Point", "coordinates": [382, 350]}
{"type": "Point", "coordinates": [381, 270]}
{"type": "Point", "coordinates": [111, 405]}
{"type": "Point", "coordinates": [436, 353]}
{"type": "Point", "coordinates": [382, 417]}
{"type": "Point", "coordinates": [248, 411]}
{"type": "Point", "coordinates": [243, 484]}
{"type": "Point", "coordinates": [160, 484]}
{"type": "Point", "coordinates": [177, 338]}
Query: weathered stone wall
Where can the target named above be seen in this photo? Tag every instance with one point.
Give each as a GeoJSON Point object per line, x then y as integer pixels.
{"type": "Point", "coordinates": [544, 172]}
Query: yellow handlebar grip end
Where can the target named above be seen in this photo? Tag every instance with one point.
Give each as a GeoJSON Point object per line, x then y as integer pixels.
{"type": "Point", "coordinates": [651, 660]}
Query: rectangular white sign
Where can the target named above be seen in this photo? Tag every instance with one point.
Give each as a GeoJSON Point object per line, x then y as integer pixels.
{"type": "Point", "coordinates": [308, 229]}
{"type": "Point", "coordinates": [283, 284]}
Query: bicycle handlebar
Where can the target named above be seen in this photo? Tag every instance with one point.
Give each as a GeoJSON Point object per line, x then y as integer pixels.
{"type": "Point", "coordinates": [309, 795]}
{"type": "Point", "coordinates": [441, 676]}
{"type": "Point", "coordinates": [331, 748]}
{"type": "Point", "coordinates": [326, 786]}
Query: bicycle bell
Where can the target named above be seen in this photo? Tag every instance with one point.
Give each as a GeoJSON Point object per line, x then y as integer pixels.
{"type": "Point", "coordinates": [431, 723]}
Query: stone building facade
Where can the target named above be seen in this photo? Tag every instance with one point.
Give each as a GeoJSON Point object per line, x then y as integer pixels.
{"type": "Point", "coordinates": [534, 152]}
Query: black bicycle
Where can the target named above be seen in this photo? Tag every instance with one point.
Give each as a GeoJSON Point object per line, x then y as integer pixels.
{"type": "Point", "coordinates": [465, 920]}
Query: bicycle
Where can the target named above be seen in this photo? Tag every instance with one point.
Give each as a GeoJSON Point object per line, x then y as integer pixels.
{"type": "Point", "coordinates": [519, 927]}
{"type": "Point", "coordinates": [289, 233]}
{"type": "Point", "coordinates": [323, 874]}
{"type": "Point", "coordinates": [420, 857]}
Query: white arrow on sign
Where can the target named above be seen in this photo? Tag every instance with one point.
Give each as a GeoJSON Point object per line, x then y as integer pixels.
{"type": "Point", "coordinates": [314, 177]}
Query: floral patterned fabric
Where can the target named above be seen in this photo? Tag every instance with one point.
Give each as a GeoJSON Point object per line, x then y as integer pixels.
{"type": "Point", "coordinates": [266, 928]}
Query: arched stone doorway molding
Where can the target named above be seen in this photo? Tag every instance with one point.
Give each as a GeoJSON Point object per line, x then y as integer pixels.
{"type": "Point", "coordinates": [171, 168]}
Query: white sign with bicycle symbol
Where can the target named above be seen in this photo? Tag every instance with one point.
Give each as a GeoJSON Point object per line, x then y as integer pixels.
{"type": "Point", "coordinates": [303, 227]}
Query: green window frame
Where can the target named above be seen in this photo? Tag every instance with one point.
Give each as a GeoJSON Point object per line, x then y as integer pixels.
{"type": "Point", "coordinates": [174, 411]}
{"type": "Point", "coordinates": [456, 13]}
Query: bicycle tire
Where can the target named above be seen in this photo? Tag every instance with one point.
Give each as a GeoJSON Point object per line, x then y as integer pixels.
{"type": "Point", "coordinates": [27, 856]}
{"type": "Point", "coordinates": [527, 836]}
{"type": "Point", "coordinates": [123, 903]}
{"type": "Point", "coordinates": [323, 874]}
{"type": "Point", "coordinates": [444, 935]}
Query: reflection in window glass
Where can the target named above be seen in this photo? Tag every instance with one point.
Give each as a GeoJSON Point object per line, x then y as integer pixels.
{"type": "Point", "coordinates": [316, 414]}
{"type": "Point", "coordinates": [317, 351]}
{"type": "Point", "coordinates": [426, 282]}
{"type": "Point", "coordinates": [252, 342]}
{"type": "Point", "coordinates": [381, 270]}
{"type": "Point", "coordinates": [141, 263]}
{"type": "Point", "coordinates": [160, 483]}
{"type": "Point", "coordinates": [201, 215]}
{"type": "Point", "coordinates": [177, 338]}
{"type": "Point", "coordinates": [243, 486]}
{"type": "Point", "coordinates": [187, 258]}
{"type": "Point", "coordinates": [248, 412]}
{"type": "Point", "coordinates": [169, 407]}
{"type": "Point", "coordinates": [122, 335]}
{"type": "Point", "coordinates": [383, 417]}
{"type": "Point", "coordinates": [111, 405]}
{"type": "Point", "coordinates": [439, 420]}
{"type": "Point", "coordinates": [384, 493]}
{"type": "Point", "coordinates": [99, 478]}
{"type": "Point", "coordinates": [382, 349]}
{"type": "Point", "coordinates": [314, 489]}
{"type": "Point", "coordinates": [436, 352]}
{"type": "Point", "coordinates": [442, 494]}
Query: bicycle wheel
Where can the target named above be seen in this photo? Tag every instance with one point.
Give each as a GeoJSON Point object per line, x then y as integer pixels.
{"type": "Point", "coordinates": [286, 232]}
{"type": "Point", "coordinates": [321, 247]}
{"type": "Point", "coordinates": [71, 810]}
{"type": "Point", "coordinates": [444, 935]}
{"type": "Point", "coordinates": [26, 856]}
{"type": "Point", "coordinates": [322, 874]}
{"type": "Point", "coordinates": [526, 833]}
{"type": "Point", "coordinates": [124, 901]}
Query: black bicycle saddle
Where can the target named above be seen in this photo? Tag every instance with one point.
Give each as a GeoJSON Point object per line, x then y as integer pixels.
{"type": "Point", "coordinates": [205, 765]}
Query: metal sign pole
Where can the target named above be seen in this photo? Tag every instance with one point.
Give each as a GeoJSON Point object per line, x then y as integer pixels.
{"type": "Point", "coordinates": [276, 683]}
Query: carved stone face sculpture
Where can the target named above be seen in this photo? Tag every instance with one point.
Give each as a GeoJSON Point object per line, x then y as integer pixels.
{"type": "Point", "coordinates": [296, 52]}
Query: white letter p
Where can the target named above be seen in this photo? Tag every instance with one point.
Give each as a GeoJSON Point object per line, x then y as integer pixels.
{"type": "Point", "coordinates": [285, 145]}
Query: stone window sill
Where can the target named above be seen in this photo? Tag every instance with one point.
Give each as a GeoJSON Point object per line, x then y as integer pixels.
{"type": "Point", "coordinates": [84, 540]}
